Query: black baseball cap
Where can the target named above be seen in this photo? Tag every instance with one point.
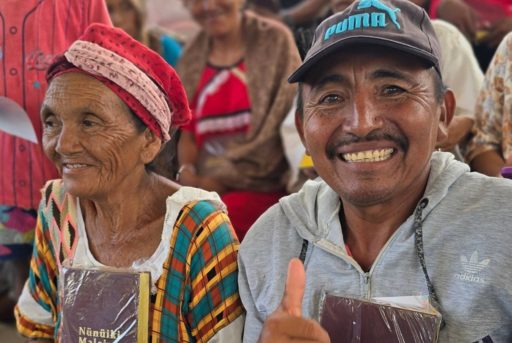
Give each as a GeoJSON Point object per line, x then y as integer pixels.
{"type": "Point", "coordinates": [396, 24]}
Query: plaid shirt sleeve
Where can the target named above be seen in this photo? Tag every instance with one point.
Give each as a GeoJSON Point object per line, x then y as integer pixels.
{"type": "Point", "coordinates": [201, 289]}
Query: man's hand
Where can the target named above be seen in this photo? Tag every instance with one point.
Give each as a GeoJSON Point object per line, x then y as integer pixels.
{"type": "Point", "coordinates": [286, 323]}
{"type": "Point", "coordinates": [459, 14]}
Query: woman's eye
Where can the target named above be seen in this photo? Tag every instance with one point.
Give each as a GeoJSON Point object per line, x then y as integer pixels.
{"type": "Point", "coordinates": [49, 122]}
{"type": "Point", "coordinates": [331, 99]}
{"type": "Point", "coordinates": [87, 123]}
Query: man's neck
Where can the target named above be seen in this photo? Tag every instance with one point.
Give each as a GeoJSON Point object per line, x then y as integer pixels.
{"type": "Point", "coordinates": [366, 230]}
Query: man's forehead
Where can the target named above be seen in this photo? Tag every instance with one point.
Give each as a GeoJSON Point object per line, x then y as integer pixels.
{"type": "Point", "coordinates": [369, 59]}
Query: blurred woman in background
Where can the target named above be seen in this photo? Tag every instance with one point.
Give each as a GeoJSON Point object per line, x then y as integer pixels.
{"type": "Point", "coordinates": [235, 73]}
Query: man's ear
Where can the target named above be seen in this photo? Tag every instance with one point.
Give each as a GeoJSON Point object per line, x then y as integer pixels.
{"type": "Point", "coordinates": [151, 146]}
{"type": "Point", "coordinates": [299, 121]}
{"type": "Point", "coordinates": [446, 116]}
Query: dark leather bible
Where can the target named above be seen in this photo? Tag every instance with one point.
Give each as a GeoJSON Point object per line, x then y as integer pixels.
{"type": "Point", "coordinates": [104, 305]}
{"type": "Point", "coordinates": [349, 320]}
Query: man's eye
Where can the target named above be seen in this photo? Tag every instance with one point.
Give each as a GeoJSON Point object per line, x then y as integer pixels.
{"type": "Point", "coordinates": [393, 90]}
{"type": "Point", "coordinates": [331, 99]}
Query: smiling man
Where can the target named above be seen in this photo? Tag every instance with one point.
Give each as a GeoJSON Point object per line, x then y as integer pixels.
{"type": "Point", "coordinates": [389, 217]}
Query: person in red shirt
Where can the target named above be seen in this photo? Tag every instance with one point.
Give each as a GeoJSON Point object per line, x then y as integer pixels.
{"type": "Point", "coordinates": [33, 32]}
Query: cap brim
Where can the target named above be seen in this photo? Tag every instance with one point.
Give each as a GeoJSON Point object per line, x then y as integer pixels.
{"type": "Point", "coordinates": [299, 74]}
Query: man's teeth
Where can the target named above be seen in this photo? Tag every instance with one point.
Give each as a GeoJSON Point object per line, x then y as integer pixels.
{"type": "Point", "coordinates": [368, 155]}
{"type": "Point", "coordinates": [74, 166]}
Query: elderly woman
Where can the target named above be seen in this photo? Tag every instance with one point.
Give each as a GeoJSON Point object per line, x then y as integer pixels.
{"type": "Point", "coordinates": [108, 110]}
{"type": "Point", "coordinates": [235, 71]}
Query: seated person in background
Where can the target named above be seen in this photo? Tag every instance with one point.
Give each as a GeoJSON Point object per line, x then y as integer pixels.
{"type": "Point", "coordinates": [491, 146]}
{"type": "Point", "coordinates": [107, 112]}
{"type": "Point", "coordinates": [130, 15]}
{"type": "Point", "coordinates": [390, 216]}
{"type": "Point", "coordinates": [235, 72]}
{"type": "Point", "coordinates": [461, 73]}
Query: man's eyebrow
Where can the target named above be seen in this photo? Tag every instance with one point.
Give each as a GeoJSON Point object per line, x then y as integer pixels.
{"type": "Point", "coordinates": [332, 78]}
{"type": "Point", "coordinates": [393, 74]}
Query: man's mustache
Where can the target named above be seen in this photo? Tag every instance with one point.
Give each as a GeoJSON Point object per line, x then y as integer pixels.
{"type": "Point", "coordinates": [376, 135]}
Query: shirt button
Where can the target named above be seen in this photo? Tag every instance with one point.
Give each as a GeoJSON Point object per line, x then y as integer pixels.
{"type": "Point", "coordinates": [13, 30]}
{"type": "Point", "coordinates": [13, 71]}
{"type": "Point", "coordinates": [22, 147]}
{"type": "Point", "coordinates": [22, 183]}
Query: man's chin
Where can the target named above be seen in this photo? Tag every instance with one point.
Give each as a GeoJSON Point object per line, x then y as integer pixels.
{"type": "Point", "coordinates": [365, 197]}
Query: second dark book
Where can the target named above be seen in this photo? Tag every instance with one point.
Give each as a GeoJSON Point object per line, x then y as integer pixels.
{"type": "Point", "coordinates": [349, 320]}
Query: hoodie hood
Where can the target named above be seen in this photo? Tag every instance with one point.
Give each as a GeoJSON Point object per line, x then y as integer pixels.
{"type": "Point", "coordinates": [314, 209]}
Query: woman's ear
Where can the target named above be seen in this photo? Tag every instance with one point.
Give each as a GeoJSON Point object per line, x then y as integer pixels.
{"type": "Point", "coordinates": [152, 146]}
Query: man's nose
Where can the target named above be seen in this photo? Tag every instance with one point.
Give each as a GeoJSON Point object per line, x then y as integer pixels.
{"type": "Point", "coordinates": [206, 4]}
{"type": "Point", "coordinates": [364, 116]}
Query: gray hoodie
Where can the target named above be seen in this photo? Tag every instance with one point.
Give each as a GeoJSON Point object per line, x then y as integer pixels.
{"type": "Point", "coordinates": [467, 235]}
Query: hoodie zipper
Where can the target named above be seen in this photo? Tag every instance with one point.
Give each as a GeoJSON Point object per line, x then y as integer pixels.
{"type": "Point", "coordinates": [366, 276]}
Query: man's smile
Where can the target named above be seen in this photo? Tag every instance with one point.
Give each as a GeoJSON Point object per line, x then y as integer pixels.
{"type": "Point", "coordinates": [368, 155]}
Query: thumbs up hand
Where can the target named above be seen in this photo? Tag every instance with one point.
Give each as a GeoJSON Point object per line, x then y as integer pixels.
{"type": "Point", "coordinates": [286, 323]}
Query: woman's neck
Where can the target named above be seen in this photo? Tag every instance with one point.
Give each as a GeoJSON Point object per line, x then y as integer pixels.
{"type": "Point", "coordinates": [120, 212]}
{"type": "Point", "coordinates": [227, 49]}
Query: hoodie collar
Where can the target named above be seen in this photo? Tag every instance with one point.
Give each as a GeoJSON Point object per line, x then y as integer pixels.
{"type": "Point", "coordinates": [313, 211]}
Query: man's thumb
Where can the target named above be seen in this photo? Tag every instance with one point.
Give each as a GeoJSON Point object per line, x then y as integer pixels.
{"type": "Point", "coordinates": [294, 288]}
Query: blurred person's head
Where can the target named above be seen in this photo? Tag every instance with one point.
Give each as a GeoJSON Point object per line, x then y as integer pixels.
{"type": "Point", "coordinates": [129, 15]}
{"type": "Point", "coordinates": [217, 17]}
{"type": "Point", "coordinates": [339, 5]}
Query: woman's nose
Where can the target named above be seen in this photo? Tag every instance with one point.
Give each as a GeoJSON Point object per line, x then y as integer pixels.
{"type": "Point", "coordinates": [67, 142]}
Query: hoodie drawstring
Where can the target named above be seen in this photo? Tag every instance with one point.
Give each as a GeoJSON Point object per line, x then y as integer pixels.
{"type": "Point", "coordinates": [418, 234]}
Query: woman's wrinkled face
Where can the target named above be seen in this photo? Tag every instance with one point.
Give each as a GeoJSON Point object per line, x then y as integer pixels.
{"type": "Point", "coordinates": [125, 16]}
{"type": "Point", "coordinates": [90, 136]}
{"type": "Point", "coordinates": [216, 17]}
